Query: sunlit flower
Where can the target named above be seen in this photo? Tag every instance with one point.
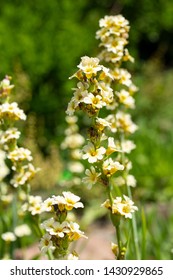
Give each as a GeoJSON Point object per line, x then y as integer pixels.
{"type": "Point", "coordinates": [112, 147]}
{"type": "Point", "coordinates": [110, 167]}
{"type": "Point", "coordinates": [102, 123]}
{"type": "Point", "coordinates": [59, 201]}
{"type": "Point", "coordinates": [20, 154]}
{"type": "Point", "coordinates": [58, 229]}
{"type": "Point", "coordinates": [72, 201]}
{"type": "Point", "coordinates": [74, 232]}
{"type": "Point", "coordinates": [126, 207]}
{"type": "Point", "coordinates": [92, 177]}
{"type": "Point", "coordinates": [95, 100]}
{"type": "Point", "coordinates": [89, 65]}
{"type": "Point", "coordinates": [121, 207]}
{"type": "Point", "coordinates": [9, 135]}
{"type": "Point", "coordinates": [93, 154]}
{"type": "Point", "coordinates": [12, 111]}
{"type": "Point", "coordinates": [106, 92]}
{"type": "Point", "coordinates": [47, 204]}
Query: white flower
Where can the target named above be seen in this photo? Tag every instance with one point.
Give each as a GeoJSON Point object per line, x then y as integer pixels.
{"type": "Point", "coordinates": [127, 146]}
{"type": "Point", "coordinates": [131, 181]}
{"type": "Point", "coordinates": [47, 224]}
{"type": "Point", "coordinates": [93, 154]}
{"type": "Point", "coordinates": [8, 236]}
{"type": "Point", "coordinates": [58, 229]}
{"type": "Point", "coordinates": [126, 207]}
{"type": "Point", "coordinates": [95, 100]}
{"type": "Point", "coordinates": [20, 154]}
{"type": "Point", "coordinates": [9, 134]}
{"type": "Point", "coordinates": [6, 199]}
{"type": "Point", "coordinates": [106, 92]}
{"type": "Point", "coordinates": [75, 167]}
{"type": "Point", "coordinates": [22, 230]}
{"type": "Point", "coordinates": [112, 147]}
{"type": "Point", "coordinates": [74, 232]}
{"type": "Point", "coordinates": [102, 123]}
{"type": "Point", "coordinates": [46, 243]}
{"type": "Point", "coordinates": [125, 122]}
{"type": "Point", "coordinates": [35, 204]}
{"type": "Point", "coordinates": [71, 107]}
{"type": "Point", "coordinates": [126, 99]}
{"type": "Point", "coordinates": [112, 121]}
{"type": "Point", "coordinates": [110, 167]}
{"type": "Point", "coordinates": [92, 177]}
{"type": "Point", "coordinates": [71, 119]}
{"type": "Point", "coordinates": [24, 175]}
{"type": "Point", "coordinates": [4, 170]}
{"type": "Point", "coordinates": [47, 204]}
{"type": "Point", "coordinates": [73, 141]}
{"type": "Point", "coordinates": [72, 201]}
{"type": "Point", "coordinates": [89, 65]}
{"type": "Point", "coordinates": [12, 111]}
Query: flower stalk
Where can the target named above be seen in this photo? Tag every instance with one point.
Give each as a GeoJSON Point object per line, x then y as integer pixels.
{"type": "Point", "coordinates": [104, 93]}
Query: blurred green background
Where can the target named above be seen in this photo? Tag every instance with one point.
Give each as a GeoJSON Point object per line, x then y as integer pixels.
{"type": "Point", "coordinates": [41, 43]}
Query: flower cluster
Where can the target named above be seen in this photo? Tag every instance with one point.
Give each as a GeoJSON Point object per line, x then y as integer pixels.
{"type": "Point", "coordinates": [59, 231]}
{"type": "Point", "coordinates": [124, 207]}
{"type": "Point", "coordinates": [113, 34]}
{"type": "Point", "coordinates": [21, 158]}
{"type": "Point", "coordinates": [105, 92]}
{"type": "Point", "coordinates": [92, 95]}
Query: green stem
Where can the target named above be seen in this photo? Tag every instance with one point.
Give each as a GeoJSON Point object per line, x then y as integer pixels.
{"type": "Point", "coordinates": [118, 241]}
{"type": "Point", "coordinates": [50, 256]}
{"type": "Point", "coordinates": [134, 223]}
{"type": "Point", "coordinates": [14, 222]}
{"type": "Point", "coordinates": [134, 228]}
{"type": "Point", "coordinates": [116, 222]}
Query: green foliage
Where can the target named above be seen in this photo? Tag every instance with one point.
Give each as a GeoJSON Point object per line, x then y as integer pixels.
{"type": "Point", "coordinates": [153, 156]}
